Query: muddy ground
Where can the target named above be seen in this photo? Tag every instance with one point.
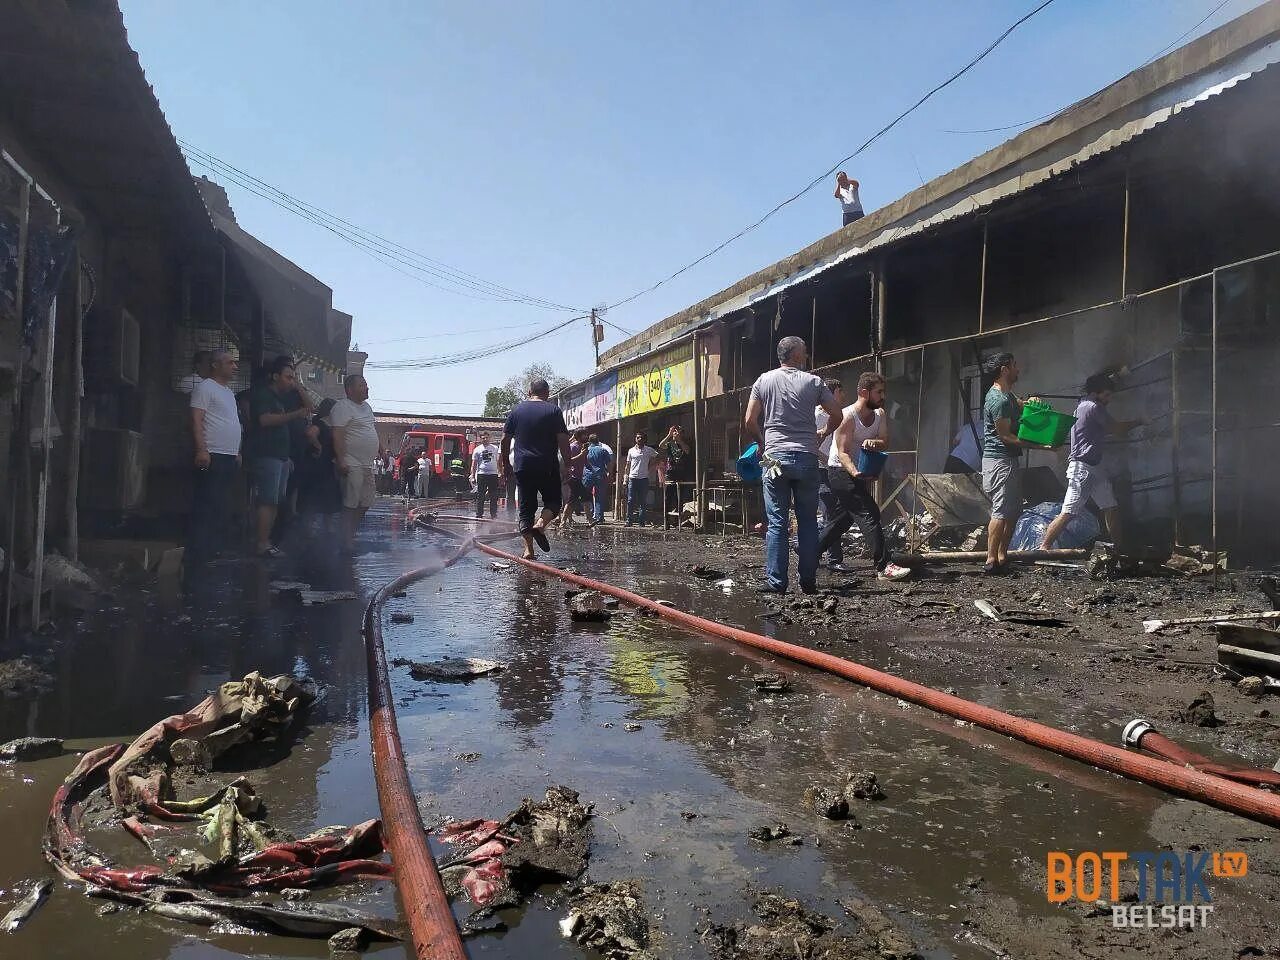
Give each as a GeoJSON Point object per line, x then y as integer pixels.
{"type": "Point", "coordinates": [685, 758]}
{"type": "Point", "coordinates": [1089, 674]}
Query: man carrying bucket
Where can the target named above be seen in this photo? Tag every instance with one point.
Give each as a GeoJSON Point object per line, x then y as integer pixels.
{"type": "Point", "coordinates": [780, 416]}
{"type": "Point", "coordinates": [1001, 448]}
{"type": "Point", "coordinates": [1086, 480]}
{"type": "Point", "coordinates": [856, 459]}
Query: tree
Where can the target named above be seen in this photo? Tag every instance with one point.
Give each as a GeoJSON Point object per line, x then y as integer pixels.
{"type": "Point", "coordinates": [499, 400]}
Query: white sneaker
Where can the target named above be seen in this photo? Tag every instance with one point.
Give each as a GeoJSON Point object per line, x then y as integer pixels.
{"type": "Point", "coordinates": [837, 567]}
{"type": "Point", "coordinates": [894, 572]}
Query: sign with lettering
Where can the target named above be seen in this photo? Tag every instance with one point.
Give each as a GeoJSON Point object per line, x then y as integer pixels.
{"type": "Point", "coordinates": [659, 388]}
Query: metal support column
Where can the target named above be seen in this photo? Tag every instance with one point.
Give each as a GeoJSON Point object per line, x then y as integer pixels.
{"type": "Point", "coordinates": [20, 305]}
{"type": "Point", "coordinates": [982, 278]}
{"type": "Point", "coordinates": [1124, 243]}
{"type": "Point", "coordinates": [699, 413]}
{"type": "Point", "coordinates": [1213, 426]}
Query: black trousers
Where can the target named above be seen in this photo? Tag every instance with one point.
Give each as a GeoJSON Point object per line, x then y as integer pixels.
{"type": "Point", "coordinates": [211, 507]}
{"type": "Point", "coordinates": [534, 482]}
{"type": "Point", "coordinates": [855, 503]}
{"type": "Point", "coordinates": [830, 506]}
{"type": "Point", "coordinates": [487, 489]}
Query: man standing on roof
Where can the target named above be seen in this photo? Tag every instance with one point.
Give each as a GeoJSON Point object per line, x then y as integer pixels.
{"type": "Point", "coordinates": [535, 432]}
{"type": "Point", "coordinates": [780, 417]}
{"type": "Point", "coordinates": [847, 194]}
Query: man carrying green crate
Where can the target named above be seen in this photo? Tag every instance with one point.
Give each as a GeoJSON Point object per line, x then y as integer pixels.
{"type": "Point", "coordinates": [1086, 480]}
{"type": "Point", "coordinates": [1001, 448]}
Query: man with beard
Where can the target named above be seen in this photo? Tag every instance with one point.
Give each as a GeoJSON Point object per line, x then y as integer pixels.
{"type": "Point", "coordinates": [863, 427]}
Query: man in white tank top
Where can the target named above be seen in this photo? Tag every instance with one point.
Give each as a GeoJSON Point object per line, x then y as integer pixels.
{"type": "Point", "coordinates": [864, 427]}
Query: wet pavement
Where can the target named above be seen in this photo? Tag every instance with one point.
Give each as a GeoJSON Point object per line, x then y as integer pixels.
{"type": "Point", "coordinates": [662, 730]}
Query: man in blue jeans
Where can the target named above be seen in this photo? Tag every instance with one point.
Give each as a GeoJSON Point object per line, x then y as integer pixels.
{"type": "Point", "coordinates": [639, 459]}
{"type": "Point", "coordinates": [780, 416]}
{"type": "Point", "coordinates": [597, 476]}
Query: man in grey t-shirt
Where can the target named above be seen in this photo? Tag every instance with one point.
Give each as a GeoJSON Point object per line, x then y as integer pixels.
{"type": "Point", "coordinates": [780, 416]}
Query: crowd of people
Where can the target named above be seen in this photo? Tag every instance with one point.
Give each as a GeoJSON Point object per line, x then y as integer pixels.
{"type": "Point", "coordinates": [309, 467]}
{"type": "Point", "coordinates": [821, 450]}
{"type": "Point", "coordinates": [820, 457]}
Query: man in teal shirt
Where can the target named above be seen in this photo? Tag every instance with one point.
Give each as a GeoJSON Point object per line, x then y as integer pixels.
{"type": "Point", "coordinates": [1001, 448]}
{"type": "Point", "coordinates": [269, 446]}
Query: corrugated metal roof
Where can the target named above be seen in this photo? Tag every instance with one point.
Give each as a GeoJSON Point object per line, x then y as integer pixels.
{"type": "Point", "coordinates": [1177, 99]}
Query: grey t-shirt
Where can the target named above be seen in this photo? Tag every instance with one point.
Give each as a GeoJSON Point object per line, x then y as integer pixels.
{"type": "Point", "coordinates": [1089, 432]}
{"type": "Point", "coordinates": [787, 397]}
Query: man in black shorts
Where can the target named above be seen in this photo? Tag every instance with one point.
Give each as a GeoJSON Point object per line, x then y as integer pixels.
{"type": "Point", "coordinates": [536, 430]}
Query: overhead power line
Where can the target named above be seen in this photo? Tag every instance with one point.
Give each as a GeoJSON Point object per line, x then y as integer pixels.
{"type": "Point", "coordinates": [452, 333]}
{"type": "Point", "coordinates": [432, 272]}
{"type": "Point", "coordinates": [467, 356]}
{"type": "Point", "coordinates": [823, 176]}
{"type": "Point", "coordinates": [1155, 56]}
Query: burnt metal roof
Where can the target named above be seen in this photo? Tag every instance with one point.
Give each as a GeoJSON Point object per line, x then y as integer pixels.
{"type": "Point", "coordinates": [75, 94]}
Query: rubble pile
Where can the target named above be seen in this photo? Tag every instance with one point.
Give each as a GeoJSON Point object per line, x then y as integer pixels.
{"type": "Point", "coordinates": [788, 931]}
{"type": "Point", "coordinates": [542, 841]}
{"type": "Point", "coordinates": [611, 919]}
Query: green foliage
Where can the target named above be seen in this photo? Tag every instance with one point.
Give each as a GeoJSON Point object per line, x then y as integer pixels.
{"type": "Point", "coordinates": [499, 400]}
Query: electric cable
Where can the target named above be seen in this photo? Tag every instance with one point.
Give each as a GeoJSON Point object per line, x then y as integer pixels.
{"type": "Point", "coordinates": [361, 237]}
{"type": "Point", "coordinates": [386, 246]}
{"type": "Point", "coordinates": [818, 179]}
{"type": "Point", "coordinates": [1155, 56]}
{"type": "Point", "coordinates": [373, 252]}
{"type": "Point", "coordinates": [452, 333]}
{"type": "Point", "coordinates": [467, 356]}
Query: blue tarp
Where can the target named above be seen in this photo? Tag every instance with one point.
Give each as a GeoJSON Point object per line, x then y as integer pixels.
{"type": "Point", "coordinates": [1028, 534]}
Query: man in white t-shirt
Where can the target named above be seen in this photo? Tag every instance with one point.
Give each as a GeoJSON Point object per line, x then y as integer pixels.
{"type": "Point", "coordinates": [864, 427]}
{"type": "Point", "coordinates": [827, 504]}
{"type": "Point", "coordinates": [355, 444]}
{"type": "Point", "coordinates": [484, 474]}
{"type": "Point", "coordinates": [639, 459]}
{"type": "Point", "coordinates": [215, 427]}
{"type": "Point", "coordinates": [850, 202]}
{"type": "Point", "coordinates": [422, 482]}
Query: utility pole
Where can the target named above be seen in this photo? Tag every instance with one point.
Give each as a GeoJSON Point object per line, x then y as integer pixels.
{"type": "Point", "coordinates": [597, 334]}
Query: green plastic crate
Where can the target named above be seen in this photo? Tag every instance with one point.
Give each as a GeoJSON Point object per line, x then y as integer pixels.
{"type": "Point", "coordinates": [1041, 423]}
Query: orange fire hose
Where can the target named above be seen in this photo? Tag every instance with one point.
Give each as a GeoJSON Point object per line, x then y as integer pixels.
{"type": "Point", "coordinates": [431, 924]}
{"type": "Point", "coordinates": [1216, 791]}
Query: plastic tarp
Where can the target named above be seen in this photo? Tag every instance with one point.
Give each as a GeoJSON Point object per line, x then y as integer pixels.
{"type": "Point", "coordinates": [1028, 533]}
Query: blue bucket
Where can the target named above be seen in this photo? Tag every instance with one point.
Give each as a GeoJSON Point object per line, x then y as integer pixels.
{"type": "Point", "coordinates": [871, 462]}
{"type": "Point", "coordinates": [748, 465]}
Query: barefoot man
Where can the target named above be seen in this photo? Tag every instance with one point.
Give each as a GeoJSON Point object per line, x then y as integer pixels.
{"type": "Point", "coordinates": [536, 431]}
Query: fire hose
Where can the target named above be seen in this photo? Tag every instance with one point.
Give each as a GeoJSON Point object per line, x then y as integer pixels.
{"type": "Point", "coordinates": [431, 923]}
{"type": "Point", "coordinates": [1206, 787]}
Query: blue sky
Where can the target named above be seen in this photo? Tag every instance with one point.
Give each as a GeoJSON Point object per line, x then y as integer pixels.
{"type": "Point", "coordinates": [579, 152]}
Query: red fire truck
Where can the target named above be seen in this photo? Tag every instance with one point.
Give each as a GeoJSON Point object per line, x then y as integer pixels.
{"type": "Point", "coordinates": [449, 458]}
